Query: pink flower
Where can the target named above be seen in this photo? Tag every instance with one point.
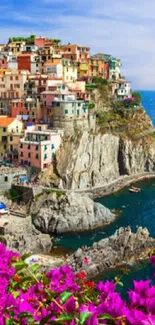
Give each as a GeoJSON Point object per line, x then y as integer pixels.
{"type": "Point", "coordinates": [86, 260]}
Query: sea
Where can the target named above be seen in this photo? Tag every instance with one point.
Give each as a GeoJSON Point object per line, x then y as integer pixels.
{"type": "Point", "coordinates": [135, 211]}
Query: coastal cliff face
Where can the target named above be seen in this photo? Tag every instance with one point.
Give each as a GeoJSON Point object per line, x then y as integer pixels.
{"type": "Point", "coordinates": [91, 160]}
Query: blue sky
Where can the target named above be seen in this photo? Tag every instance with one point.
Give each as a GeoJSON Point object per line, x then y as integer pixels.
{"type": "Point", "coordinates": [125, 29]}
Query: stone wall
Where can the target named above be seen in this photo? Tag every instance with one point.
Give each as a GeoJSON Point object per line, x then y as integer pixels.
{"type": "Point", "coordinates": [8, 175]}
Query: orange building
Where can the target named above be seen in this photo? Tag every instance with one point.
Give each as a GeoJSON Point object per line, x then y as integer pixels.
{"type": "Point", "coordinates": [98, 68]}
{"type": "Point", "coordinates": [76, 52]}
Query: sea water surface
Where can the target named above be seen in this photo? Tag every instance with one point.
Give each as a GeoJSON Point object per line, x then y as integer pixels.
{"type": "Point", "coordinates": [137, 209]}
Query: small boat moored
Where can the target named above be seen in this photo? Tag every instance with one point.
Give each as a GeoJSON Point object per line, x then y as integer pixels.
{"type": "Point", "coordinates": [134, 189]}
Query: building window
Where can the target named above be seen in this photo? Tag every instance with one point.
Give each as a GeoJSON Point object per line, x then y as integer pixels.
{"type": "Point", "coordinates": [11, 147]}
{"type": "Point", "coordinates": [16, 77]}
{"type": "Point", "coordinates": [36, 147]}
{"type": "Point", "coordinates": [29, 155]}
{"type": "Point", "coordinates": [37, 156]}
{"type": "Point", "coordinates": [11, 78]}
{"type": "Point", "coordinates": [6, 178]}
{"type": "Point", "coordinates": [45, 156]}
{"type": "Point", "coordinates": [21, 154]}
{"type": "Point", "coordinates": [4, 146]}
{"type": "Point", "coordinates": [58, 104]}
{"type": "Point", "coordinates": [53, 155]}
{"type": "Point", "coordinates": [53, 146]}
{"type": "Point", "coordinates": [79, 104]}
{"type": "Point", "coordinates": [4, 129]}
{"type": "Point", "coordinates": [21, 145]}
{"type": "Point", "coordinates": [72, 104]}
{"type": "Point", "coordinates": [45, 147]}
{"type": "Point", "coordinates": [11, 138]}
{"type": "Point", "coordinates": [29, 146]}
{"type": "Point", "coordinates": [66, 111]}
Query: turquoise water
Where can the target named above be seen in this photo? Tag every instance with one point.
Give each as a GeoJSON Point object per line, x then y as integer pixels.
{"type": "Point", "coordinates": [137, 209]}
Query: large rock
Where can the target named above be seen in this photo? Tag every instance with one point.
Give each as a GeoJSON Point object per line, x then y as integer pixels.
{"type": "Point", "coordinates": [19, 234]}
{"type": "Point", "coordinates": [64, 213]}
{"type": "Point", "coordinates": [123, 246]}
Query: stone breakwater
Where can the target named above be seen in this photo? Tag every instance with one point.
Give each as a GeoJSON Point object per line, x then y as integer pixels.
{"type": "Point", "coordinates": [58, 213]}
{"type": "Point", "coordinates": [122, 247]}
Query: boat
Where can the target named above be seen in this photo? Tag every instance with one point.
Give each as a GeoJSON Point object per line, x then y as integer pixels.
{"type": "Point", "coordinates": [134, 189]}
{"type": "Point", "coordinates": [3, 208]}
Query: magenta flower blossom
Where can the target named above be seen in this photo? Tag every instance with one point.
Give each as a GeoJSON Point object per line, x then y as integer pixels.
{"type": "Point", "coordinates": [152, 260]}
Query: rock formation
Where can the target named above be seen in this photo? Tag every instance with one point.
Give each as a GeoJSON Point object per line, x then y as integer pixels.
{"type": "Point", "coordinates": [56, 212]}
{"type": "Point", "coordinates": [19, 234]}
{"type": "Point", "coordinates": [123, 246]}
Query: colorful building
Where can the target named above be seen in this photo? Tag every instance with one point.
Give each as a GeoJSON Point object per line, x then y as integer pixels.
{"type": "Point", "coordinates": [10, 132]}
{"type": "Point", "coordinates": [121, 89]}
{"type": "Point", "coordinates": [29, 62]}
{"type": "Point", "coordinates": [76, 52]}
{"type": "Point", "coordinates": [39, 145]}
{"type": "Point", "coordinates": [70, 71]}
{"type": "Point", "coordinates": [53, 69]}
{"type": "Point", "coordinates": [28, 110]}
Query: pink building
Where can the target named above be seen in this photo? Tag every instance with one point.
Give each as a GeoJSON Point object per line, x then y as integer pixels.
{"type": "Point", "coordinates": [39, 145]}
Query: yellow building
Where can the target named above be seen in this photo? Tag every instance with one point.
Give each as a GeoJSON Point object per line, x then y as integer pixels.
{"type": "Point", "coordinates": [70, 72]}
{"type": "Point", "coordinates": [16, 47]}
{"type": "Point", "coordinates": [11, 130]}
{"type": "Point", "coordinates": [83, 70]}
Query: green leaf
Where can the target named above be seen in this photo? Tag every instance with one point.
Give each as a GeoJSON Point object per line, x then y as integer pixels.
{"type": "Point", "coordinates": [64, 318]}
{"type": "Point", "coordinates": [20, 265]}
{"type": "Point", "coordinates": [65, 296]}
{"type": "Point", "coordinates": [8, 321]}
{"type": "Point", "coordinates": [27, 315]}
{"type": "Point", "coordinates": [25, 256]}
{"type": "Point", "coordinates": [106, 316]}
{"type": "Point", "coordinates": [84, 317]}
{"type": "Point", "coordinates": [35, 267]}
{"type": "Point", "coordinates": [16, 294]}
{"type": "Point", "coordinates": [121, 284]}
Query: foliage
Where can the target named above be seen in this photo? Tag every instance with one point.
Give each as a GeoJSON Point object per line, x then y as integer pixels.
{"type": "Point", "coordinates": [91, 106]}
{"type": "Point", "coordinates": [12, 194]}
{"type": "Point", "coordinates": [29, 39]}
{"type": "Point", "coordinates": [58, 193]}
{"type": "Point", "coordinates": [100, 81]}
{"type": "Point", "coordinates": [63, 297]}
{"type": "Point", "coordinates": [137, 97]}
{"type": "Point", "coordinates": [55, 40]}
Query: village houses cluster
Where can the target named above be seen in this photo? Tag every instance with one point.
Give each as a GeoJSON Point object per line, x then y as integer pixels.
{"type": "Point", "coordinates": [44, 85]}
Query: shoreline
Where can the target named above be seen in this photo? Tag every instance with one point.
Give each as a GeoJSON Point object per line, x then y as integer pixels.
{"type": "Point", "coordinates": [117, 185]}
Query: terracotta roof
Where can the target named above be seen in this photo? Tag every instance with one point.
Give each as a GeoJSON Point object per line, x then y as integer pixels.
{"type": "Point", "coordinates": [6, 121]}
{"type": "Point", "coordinates": [50, 63]}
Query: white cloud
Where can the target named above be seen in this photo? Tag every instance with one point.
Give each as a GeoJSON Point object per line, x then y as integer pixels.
{"type": "Point", "coordinates": [123, 28]}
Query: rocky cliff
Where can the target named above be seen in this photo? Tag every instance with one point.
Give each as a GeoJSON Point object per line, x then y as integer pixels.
{"type": "Point", "coordinates": [123, 144]}
{"type": "Point", "coordinates": [19, 234]}
{"type": "Point", "coordinates": [63, 213]}
{"type": "Point", "coordinates": [123, 246]}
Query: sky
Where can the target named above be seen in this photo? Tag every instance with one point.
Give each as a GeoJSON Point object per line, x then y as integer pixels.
{"type": "Point", "coordinates": [123, 28]}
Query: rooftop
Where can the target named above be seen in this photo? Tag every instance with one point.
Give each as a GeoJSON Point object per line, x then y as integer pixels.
{"type": "Point", "coordinates": [6, 121]}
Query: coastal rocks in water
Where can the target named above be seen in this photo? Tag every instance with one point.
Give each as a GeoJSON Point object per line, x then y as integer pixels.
{"type": "Point", "coordinates": [123, 246]}
{"type": "Point", "coordinates": [19, 234]}
{"type": "Point", "coordinates": [63, 213]}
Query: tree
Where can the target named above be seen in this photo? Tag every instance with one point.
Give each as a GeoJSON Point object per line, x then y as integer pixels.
{"type": "Point", "coordinates": [137, 97]}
